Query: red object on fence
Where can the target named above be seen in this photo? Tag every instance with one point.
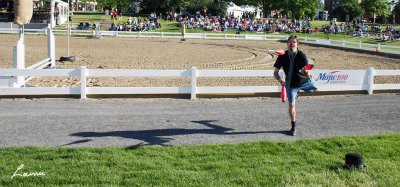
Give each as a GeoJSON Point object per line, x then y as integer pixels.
{"type": "Point", "coordinates": [283, 93]}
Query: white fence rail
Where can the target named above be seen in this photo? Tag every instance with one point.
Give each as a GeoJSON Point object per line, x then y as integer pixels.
{"type": "Point", "coordinates": [327, 80]}
{"type": "Point", "coordinates": [19, 55]}
{"type": "Point", "coordinates": [353, 45]}
{"type": "Point", "coordinates": [323, 42]}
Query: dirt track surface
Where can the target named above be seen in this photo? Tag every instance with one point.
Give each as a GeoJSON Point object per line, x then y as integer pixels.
{"type": "Point", "coordinates": [165, 122]}
{"type": "Point", "coordinates": [154, 53]}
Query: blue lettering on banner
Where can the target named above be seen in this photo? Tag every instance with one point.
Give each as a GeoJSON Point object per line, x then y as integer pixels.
{"type": "Point", "coordinates": [334, 77]}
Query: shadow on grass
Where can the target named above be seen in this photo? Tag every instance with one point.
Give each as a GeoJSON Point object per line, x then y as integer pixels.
{"type": "Point", "coordinates": [163, 136]}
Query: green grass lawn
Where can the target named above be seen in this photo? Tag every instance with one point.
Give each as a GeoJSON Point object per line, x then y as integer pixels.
{"type": "Point", "coordinates": [291, 163]}
{"type": "Point", "coordinates": [87, 18]}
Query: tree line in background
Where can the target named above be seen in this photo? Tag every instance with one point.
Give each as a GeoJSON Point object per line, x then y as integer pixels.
{"type": "Point", "coordinates": [346, 10]}
{"type": "Point", "coordinates": [351, 9]}
{"type": "Point", "coordinates": [294, 8]}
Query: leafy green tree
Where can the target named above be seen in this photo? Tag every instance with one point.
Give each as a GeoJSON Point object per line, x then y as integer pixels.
{"type": "Point", "coordinates": [215, 7]}
{"type": "Point", "coordinates": [301, 8]}
{"type": "Point", "coordinates": [376, 7]}
{"type": "Point", "coordinates": [195, 5]}
{"type": "Point", "coordinates": [348, 7]}
{"type": "Point", "coordinates": [396, 13]}
{"type": "Point", "coordinates": [266, 5]}
{"type": "Point", "coordinates": [218, 7]}
{"type": "Point", "coordinates": [151, 5]}
{"type": "Point", "coordinates": [297, 8]}
{"type": "Point", "coordinates": [120, 4]}
{"type": "Point", "coordinates": [168, 4]}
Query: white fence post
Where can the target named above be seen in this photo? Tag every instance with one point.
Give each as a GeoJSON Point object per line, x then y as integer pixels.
{"type": "Point", "coordinates": [19, 63]}
{"type": "Point", "coordinates": [225, 36]}
{"type": "Point", "coordinates": [52, 10]}
{"type": "Point", "coordinates": [162, 34]}
{"type": "Point", "coordinates": [19, 58]}
{"type": "Point", "coordinates": [204, 35]}
{"type": "Point", "coordinates": [194, 83]}
{"type": "Point", "coordinates": [378, 50]}
{"type": "Point", "coordinates": [371, 75]}
{"type": "Point", "coordinates": [51, 47]}
{"type": "Point", "coordinates": [245, 36]}
{"type": "Point", "coordinates": [265, 37]}
{"type": "Point", "coordinates": [359, 44]}
{"type": "Point", "coordinates": [83, 82]}
{"type": "Point", "coordinates": [344, 43]}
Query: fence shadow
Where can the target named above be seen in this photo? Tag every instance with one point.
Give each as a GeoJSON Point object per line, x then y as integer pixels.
{"type": "Point", "coordinates": [163, 136]}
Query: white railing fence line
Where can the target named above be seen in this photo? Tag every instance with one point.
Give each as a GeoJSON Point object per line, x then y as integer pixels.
{"type": "Point", "coordinates": [353, 45]}
{"type": "Point", "coordinates": [324, 42]}
{"type": "Point", "coordinates": [19, 55]}
{"type": "Point", "coordinates": [365, 84]}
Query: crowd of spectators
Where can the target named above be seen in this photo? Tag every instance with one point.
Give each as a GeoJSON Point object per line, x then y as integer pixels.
{"type": "Point", "coordinates": [361, 29]}
{"type": "Point", "coordinates": [249, 22]}
{"type": "Point", "coordinates": [152, 22]}
{"type": "Point", "coordinates": [390, 33]}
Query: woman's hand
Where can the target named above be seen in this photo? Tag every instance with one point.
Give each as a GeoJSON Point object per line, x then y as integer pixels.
{"type": "Point", "coordinates": [307, 73]}
{"type": "Point", "coordinates": [282, 82]}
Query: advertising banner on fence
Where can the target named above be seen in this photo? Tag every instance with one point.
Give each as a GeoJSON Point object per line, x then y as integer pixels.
{"type": "Point", "coordinates": [339, 77]}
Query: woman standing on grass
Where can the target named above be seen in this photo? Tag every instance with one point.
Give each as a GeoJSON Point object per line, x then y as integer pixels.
{"type": "Point", "coordinates": [293, 63]}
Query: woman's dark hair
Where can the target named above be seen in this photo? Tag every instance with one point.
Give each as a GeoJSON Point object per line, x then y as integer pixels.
{"type": "Point", "coordinates": [293, 37]}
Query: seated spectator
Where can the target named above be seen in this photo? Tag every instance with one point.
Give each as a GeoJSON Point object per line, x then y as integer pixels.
{"type": "Point", "coordinates": [158, 25]}
{"type": "Point", "coordinates": [130, 21]}
{"type": "Point", "coordinates": [85, 26]}
{"type": "Point", "coordinates": [390, 35]}
{"type": "Point", "coordinates": [152, 26]}
{"type": "Point", "coordinates": [80, 26]}
{"type": "Point", "coordinates": [222, 28]}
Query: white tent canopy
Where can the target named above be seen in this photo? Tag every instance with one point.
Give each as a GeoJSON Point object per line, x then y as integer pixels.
{"type": "Point", "coordinates": [237, 11]}
{"type": "Point", "coordinates": [61, 7]}
{"type": "Point", "coordinates": [85, 6]}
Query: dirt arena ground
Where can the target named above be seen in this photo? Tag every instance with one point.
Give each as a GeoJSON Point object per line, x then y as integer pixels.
{"type": "Point", "coordinates": [154, 53]}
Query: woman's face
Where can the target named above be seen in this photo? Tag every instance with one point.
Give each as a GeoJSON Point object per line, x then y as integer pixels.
{"type": "Point", "coordinates": [292, 45]}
